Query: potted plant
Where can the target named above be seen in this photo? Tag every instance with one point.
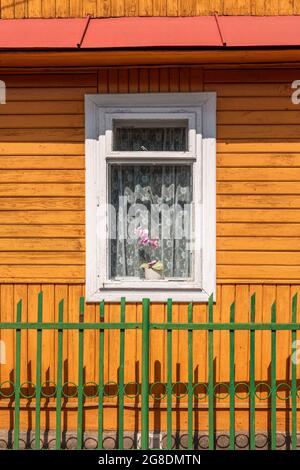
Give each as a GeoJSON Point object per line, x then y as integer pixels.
{"type": "Point", "coordinates": [153, 268]}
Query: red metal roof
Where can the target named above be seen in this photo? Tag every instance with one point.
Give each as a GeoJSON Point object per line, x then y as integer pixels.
{"type": "Point", "coordinates": [158, 32]}
{"type": "Point", "coordinates": [41, 33]}
{"type": "Point", "coordinates": [152, 32]}
{"type": "Point", "coordinates": [259, 31]}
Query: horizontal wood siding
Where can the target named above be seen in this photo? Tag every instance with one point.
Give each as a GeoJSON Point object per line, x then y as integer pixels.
{"type": "Point", "coordinates": [42, 169]}
{"type": "Point", "coordinates": [106, 8]}
{"type": "Point", "coordinates": [42, 233]}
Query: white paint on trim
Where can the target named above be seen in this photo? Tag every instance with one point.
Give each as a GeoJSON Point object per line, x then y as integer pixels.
{"type": "Point", "coordinates": [200, 109]}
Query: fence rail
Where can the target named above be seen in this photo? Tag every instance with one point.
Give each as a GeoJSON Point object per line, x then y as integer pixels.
{"type": "Point", "coordinates": [193, 391]}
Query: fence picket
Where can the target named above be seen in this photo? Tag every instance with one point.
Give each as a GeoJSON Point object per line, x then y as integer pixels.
{"type": "Point", "coordinates": [252, 389]}
{"type": "Point", "coordinates": [17, 378]}
{"type": "Point", "coordinates": [59, 373]}
{"type": "Point", "coordinates": [38, 373]}
{"type": "Point", "coordinates": [21, 391]}
{"type": "Point", "coordinates": [231, 383]}
{"type": "Point", "coordinates": [273, 379]}
{"type": "Point", "coordinates": [80, 377]}
{"type": "Point", "coordinates": [101, 380]}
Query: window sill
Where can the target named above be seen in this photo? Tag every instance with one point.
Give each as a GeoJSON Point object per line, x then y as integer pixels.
{"type": "Point", "coordinates": [155, 295]}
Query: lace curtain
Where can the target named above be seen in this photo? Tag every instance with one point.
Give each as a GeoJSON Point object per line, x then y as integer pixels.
{"type": "Point", "coordinates": [157, 198]}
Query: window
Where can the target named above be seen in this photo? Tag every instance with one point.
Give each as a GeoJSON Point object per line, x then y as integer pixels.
{"type": "Point", "coordinates": [150, 196]}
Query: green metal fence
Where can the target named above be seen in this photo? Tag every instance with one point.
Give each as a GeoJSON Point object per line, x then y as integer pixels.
{"type": "Point", "coordinates": [16, 389]}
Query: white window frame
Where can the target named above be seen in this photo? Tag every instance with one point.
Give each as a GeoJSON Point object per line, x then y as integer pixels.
{"type": "Point", "coordinates": [199, 109]}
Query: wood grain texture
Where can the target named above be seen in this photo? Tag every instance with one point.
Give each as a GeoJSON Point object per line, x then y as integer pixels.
{"type": "Point", "coordinates": [258, 164]}
{"type": "Point", "coordinates": [120, 8]}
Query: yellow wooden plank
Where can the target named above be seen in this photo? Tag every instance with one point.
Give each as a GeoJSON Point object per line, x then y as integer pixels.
{"type": "Point", "coordinates": [8, 314]}
{"type": "Point", "coordinates": [145, 7]}
{"type": "Point", "coordinates": [242, 338]}
{"type": "Point", "coordinates": [258, 117]}
{"type": "Point", "coordinates": [48, 338]}
{"type": "Point", "coordinates": [42, 80]}
{"type": "Point", "coordinates": [42, 244]}
{"type": "Point", "coordinates": [144, 80]}
{"type": "Point", "coordinates": [266, 132]}
{"type": "Point", "coordinates": [34, 162]}
{"type": "Point", "coordinates": [257, 103]}
{"type": "Point", "coordinates": [255, 215]}
{"type": "Point", "coordinates": [91, 314]}
{"type": "Point", "coordinates": [102, 81]}
{"type": "Point", "coordinates": [34, 8]}
{"type": "Point", "coordinates": [20, 9]}
{"type": "Point", "coordinates": [258, 291]}
{"type": "Point", "coordinates": [41, 189]}
{"type": "Point", "coordinates": [187, 7]}
{"type": "Point", "coordinates": [40, 148]}
{"type": "Point", "coordinates": [41, 121]}
{"type": "Point", "coordinates": [296, 7]}
{"type": "Point", "coordinates": [272, 7]}
{"type": "Point", "coordinates": [62, 8]}
{"type": "Point", "coordinates": [251, 75]}
{"type": "Point", "coordinates": [160, 7]}
{"type": "Point", "coordinates": [258, 7]}
{"type": "Point", "coordinates": [89, 7]}
{"type": "Point", "coordinates": [43, 203]}
{"type": "Point", "coordinates": [131, 7]}
{"type": "Point", "coordinates": [7, 9]}
{"type": "Point", "coordinates": [20, 292]}
{"type": "Point", "coordinates": [154, 80]}
{"type": "Point", "coordinates": [258, 229]}
{"type": "Point", "coordinates": [269, 187]}
{"type": "Point", "coordinates": [71, 367]}
{"type": "Point", "coordinates": [103, 8]}
{"type": "Point", "coordinates": [117, 8]}
{"type": "Point", "coordinates": [40, 258]}
{"type": "Point", "coordinates": [42, 107]}
{"type": "Point", "coordinates": [133, 78]}
{"type": "Point", "coordinates": [284, 258]}
{"type": "Point", "coordinates": [257, 174]}
{"type": "Point", "coordinates": [61, 292]}
{"type": "Point", "coordinates": [42, 272]}
{"type": "Point", "coordinates": [113, 80]}
{"type": "Point", "coordinates": [250, 89]}
{"type": "Point", "coordinates": [259, 201]}
{"type": "Point", "coordinates": [258, 243]}
{"type": "Point", "coordinates": [36, 176]}
{"type": "Point", "coordinates": [174, 79]}
{"type": "Point", "coordinates": [40, 231]}
{"type": "Point", "coordinates": [52, 135]}
{"type": "Point", "coordinates": [123, 81]}
{"type": "Point", "coordinates": [259, 160]}
{"type": "Point", "coordinates": [172, 8]}
{"type": "Point", "coordinates": [258, 272]}
{"type": "Point", "coordinates": [269, 296]}
{"type": "Point", "coordinates": [196, 79]}
{"type": "Point", "coordinates": [164, 80]}
{"type": "Point", "coordinates": [184, 79]}
{"type": "Point", "coordinates": [33, 292]}
{"type": "Point", "coordinates": [75, 8]}
{"type": "Point", "coordinates": [283, 313]}
{"type": "Point", "coordinates": [285, 7]}
{"type": "Point", "coordinates": [29, 94]}
{"type": "Point", "coordinates": [42, 217]}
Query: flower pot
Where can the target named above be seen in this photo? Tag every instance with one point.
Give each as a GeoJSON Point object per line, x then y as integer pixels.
{"type": "Point", "coordinates": [152, 274]}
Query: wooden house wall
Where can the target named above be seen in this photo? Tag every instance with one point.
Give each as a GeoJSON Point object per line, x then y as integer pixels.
{"type": "Point", "coordinates": [107, 8]}
{"type": "Point", "coordinates": [42, 245]}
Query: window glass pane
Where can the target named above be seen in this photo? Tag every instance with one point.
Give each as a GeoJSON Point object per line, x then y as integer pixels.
{"type": "Point", "coordinates": [155, 138]}
{"type": "Point", "coordinates": [150, 221]}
